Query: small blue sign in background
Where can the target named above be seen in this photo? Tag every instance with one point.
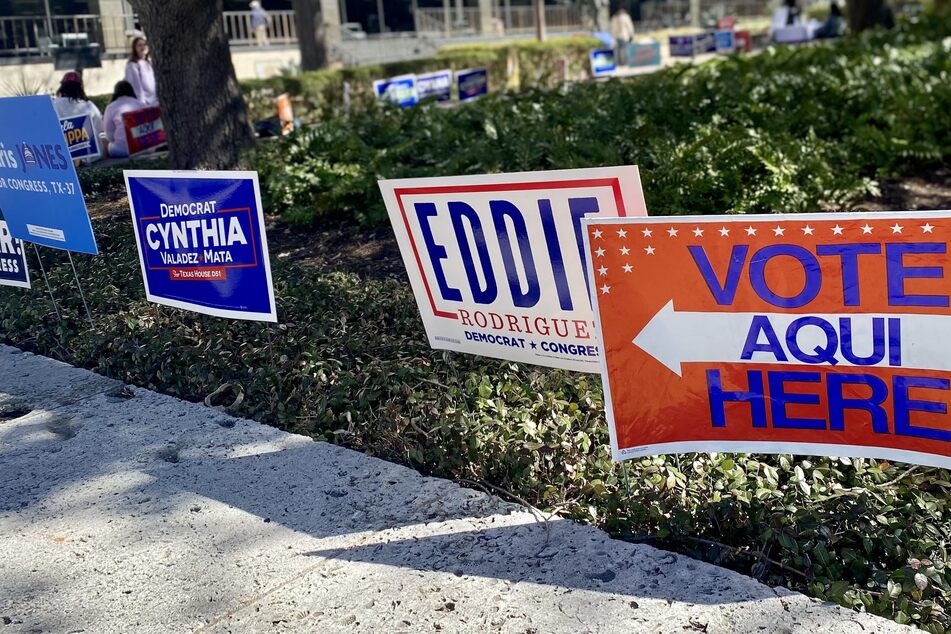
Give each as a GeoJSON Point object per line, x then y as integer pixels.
{"type": "Point", "coordinates": [682, 45]}
{"type": "Point", "coordinates": [438, 85]}
{"type": "Point", "coordinates": [725, 41]}
{"type": "Point", "coordinates": [472, 83]}
{"type": "Point", "coordinates": [201, 241]}
{"type": "Point", "coordinates": [80, 137]}
{"type": "Point", "coordinates": [602, 62]}
{"type": "Point", "coordinates": [399, 91]}
{"type": "Point", "coordinates": [643, 54]}
{"type": "Point", "coordinates": [39, 191]}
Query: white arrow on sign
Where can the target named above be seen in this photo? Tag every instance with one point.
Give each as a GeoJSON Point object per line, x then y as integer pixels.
{"type": "Point", "coordinates": [675, 337]}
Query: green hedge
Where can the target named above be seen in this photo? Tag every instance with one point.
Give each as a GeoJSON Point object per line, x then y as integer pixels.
{"type": "Point", "coordinates": [319, 94]}
{"type": "Point", "coordinates": [790, 129]}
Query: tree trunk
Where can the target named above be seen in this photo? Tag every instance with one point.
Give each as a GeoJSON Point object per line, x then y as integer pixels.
{"type": "Point", "coordinates": [867, 14]}
{"type": "Point", "coordinates": [203, 111]}
{"type": "Point", "coordinates": [310, 34]}
{"type": "Point", "coordinates": [540, 31]}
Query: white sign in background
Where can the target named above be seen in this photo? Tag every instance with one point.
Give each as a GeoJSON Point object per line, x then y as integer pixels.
{"type": "Point", "coordinates": [496, 261]}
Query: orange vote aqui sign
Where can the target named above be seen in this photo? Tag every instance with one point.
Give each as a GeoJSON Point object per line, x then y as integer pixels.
{"type": "Point", "coordinates": [824, 334]}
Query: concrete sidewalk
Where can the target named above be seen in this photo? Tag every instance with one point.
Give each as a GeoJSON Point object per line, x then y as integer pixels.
{"type": "Point", "coordinates": [122, 510]}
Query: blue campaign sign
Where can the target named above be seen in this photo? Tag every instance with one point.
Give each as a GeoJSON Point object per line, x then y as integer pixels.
{"type": "Point", "coordinates": [201, 241]}
{"type": "Point", "coordinates": [80, 137]}
{"type": "Point", "coordinates": [725, 41]}
{"type": "Point", "coordinates": [13, 270]}
{"type": "Point", "coordinates": [472, 83]}
{"type": "Point", "coordinates": [682, 45]}
{"type": "Point", "coordinates": [39, 191]}
{"type": "Point", "coordinates": [436, 85]}
{"type": "Point", "coordinates": [602, 62]}
{"type": "Point", "coordinates": [399, 91]}
{"type": "Point", "coordinates": [641, 54]}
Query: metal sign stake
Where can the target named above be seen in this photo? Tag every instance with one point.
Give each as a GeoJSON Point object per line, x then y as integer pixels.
{"type": "Point", "coordinates": [81, 293]}
{"type": "Point", "coordinates": [47, 280]}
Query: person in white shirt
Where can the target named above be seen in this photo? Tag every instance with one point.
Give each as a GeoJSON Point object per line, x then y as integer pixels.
{"type": "Point", "coordinates": [622, 30]}
{"type": "Point", "coordinates": [123, 101]}
{"type": "Point", "coordinates": [71, 101]}
{"type": "Point", "coordinates": [139, 73]}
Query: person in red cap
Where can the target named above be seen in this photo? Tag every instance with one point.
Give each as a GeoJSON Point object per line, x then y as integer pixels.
{"type": "Point", "coordinates": [71, 101]}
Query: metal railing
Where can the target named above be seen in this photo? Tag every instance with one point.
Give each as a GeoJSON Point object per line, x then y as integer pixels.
{"type": "Point", "coordinates": [388, 48]}
{"type": "Point", "coordinates": [281, 28]}
{"type": "Point", "coordinates": [511, 20]}
{"type": "Point", "coordinates": [34, 35]}
{"type": "Point", "coordinates": [520, 20]}
{"type": "Point", "coordinates": [657, 14]}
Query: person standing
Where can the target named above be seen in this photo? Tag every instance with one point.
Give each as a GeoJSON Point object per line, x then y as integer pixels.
{"type": "Point", "coordinates": [794, 13]}
{"type": "Point", "coordinates": [139, 73]}
{"type": "Point", "coordinates": [71, 101]}
{"type": "Point", "coordinates": [259, 20]}
{"type": "Point", "coordinates": [622, 30]}
{"type": "Point", "coordinates": [834, 24]}
{"type": "Point", "coordinates": [123, 101]}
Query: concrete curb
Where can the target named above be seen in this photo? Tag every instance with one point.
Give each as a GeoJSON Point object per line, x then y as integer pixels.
{"type": "Point", "coordinates": [123, 510]}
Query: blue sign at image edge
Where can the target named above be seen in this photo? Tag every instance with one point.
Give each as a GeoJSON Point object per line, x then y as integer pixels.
{"type": "Point", "coordinates": [39, 190]}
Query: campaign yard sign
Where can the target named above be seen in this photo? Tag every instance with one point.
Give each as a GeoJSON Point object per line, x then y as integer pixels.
{"type": "Point", "coordinates": [821, 334]}
{"type": "Point", "coordinates": [399, 91]}
{"type": "Point", "coordinates": [80, 137]}
{"type": "Point", "coordinates": [437, 85]}
{"type": "Point", "coordinates": [13, 269]}
{"type": "Point", "coordinates": [143, 130]}
{"type": "Point", "coordinates": [40, 198]}
{"type": "Point", "coordinates": [602, 62]}
{"type": "Point", "coordinates": [742, 41]}
{"type": "Point", "coordinates": [201, 241]}
{"type": "Point", "coordinates": [725, 42]}
{"type": "Point", "coordinates": [641, 54]}
{"type": "Point", "coordinates": [472, 84]}
{"type": "Point", "coordinates": [683, 45]}
{"type": "Point", "coordinates": [496, 262]}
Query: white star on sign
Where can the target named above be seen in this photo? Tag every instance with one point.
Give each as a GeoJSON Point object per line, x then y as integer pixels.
{"type": "Point", "coordinates": [621, 233]}
{"type": "Point", "coordinates": [596, 233]}
{"type": "Point", "coordinates": [603, 271]}
{"type": "Point", "coordinates": [649, 250]}
{"type": "Point", "coordinates": [779, 231]}
{"type": "Point", "coordinates": [807, 230]}
{"type": "Point", "coordinates": [698, 231]}
{"type": "Point", "coordinates": [672, 232]}
{"type": "Point", "coordinates": [927, 227]}
{"type": "Point", "coordinates": [724, 231]}
{"type": "Point", "coordinates": [647, 233]}
{"type": "Point", "coordinates": [867, 228]}
{"type": "Point", "coordinates": [628, 268]}
{"type": "Point", "coordinates": [896, 228]}
{"type": "Point", "coordinates": [605, 289]}
{"type": "Point", "coordinates": [750, 231]}
{"type": "Point", "coordinates": [600, 253]}
{"type": "Point", "coordinates": [625, 250]}
{"type": "Point", "coordinates": [837, 230]}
